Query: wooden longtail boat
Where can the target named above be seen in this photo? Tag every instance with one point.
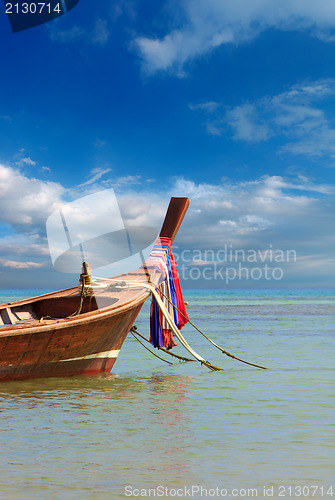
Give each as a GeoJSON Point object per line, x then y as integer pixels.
{"type": "Point", "coordinates": [66, 333]}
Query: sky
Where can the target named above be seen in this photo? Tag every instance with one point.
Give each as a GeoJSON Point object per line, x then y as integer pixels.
{"type": "Point", "coordinates": [229, 103]}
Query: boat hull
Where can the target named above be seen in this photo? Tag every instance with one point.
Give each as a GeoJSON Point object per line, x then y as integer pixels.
{"type": "Point", "coordinates": [77, 347]}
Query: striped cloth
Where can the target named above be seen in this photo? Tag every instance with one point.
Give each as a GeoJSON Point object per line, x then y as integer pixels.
{"type": "Point", "coordinates": [170, 291]}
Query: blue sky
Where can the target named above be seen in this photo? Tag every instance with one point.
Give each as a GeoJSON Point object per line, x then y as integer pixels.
{"type": "Point", "coordinates": [231, 104]}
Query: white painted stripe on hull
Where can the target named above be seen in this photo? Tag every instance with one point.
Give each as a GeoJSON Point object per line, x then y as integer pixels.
{"type": "Point", "coordinates": [106, 354]}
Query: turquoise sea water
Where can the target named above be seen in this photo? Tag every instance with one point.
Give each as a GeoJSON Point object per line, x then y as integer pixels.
{"type": "Point", "coordinates": [151, 430]}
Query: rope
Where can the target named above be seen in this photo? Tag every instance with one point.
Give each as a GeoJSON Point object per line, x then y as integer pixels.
{"type": "Point", "coordinates": [147, 348]}
{"type": "Point", "coordinates": [178, 334]}
{"type": "Point", "coordinates": [85, 291]}
{"type": "Point", "coordinates": [181, 358]}
{"type": "Point", "coordinates": [212, 342]}
{"type": "Point", "coordinates": [42, 318]}
{"type": "Point", "coordinates": [173, 327]}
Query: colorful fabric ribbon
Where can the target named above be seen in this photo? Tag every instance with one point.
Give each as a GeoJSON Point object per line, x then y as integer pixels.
{"type": "Point", "coordinates": [170, 292]}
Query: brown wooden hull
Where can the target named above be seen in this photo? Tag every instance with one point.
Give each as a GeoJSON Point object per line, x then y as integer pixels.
{"type": "Point", "coordinates": [87, 345]}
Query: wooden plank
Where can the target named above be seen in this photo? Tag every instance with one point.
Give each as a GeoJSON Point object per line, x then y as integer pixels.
{"type": "Point", "coordinates": [174, 217]}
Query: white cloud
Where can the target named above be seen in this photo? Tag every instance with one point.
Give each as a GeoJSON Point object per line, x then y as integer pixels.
{"type": "Point", "coordinates": [301, 115]}
{"type": "Point", "coordinates": [26, 161]}
{"type": "Point", "coordinates": [298, 117]}
{"type": "Point", "coordinates": [96, 174]}
{"type": "Point", "coordinates": [96, 183]}
{"type": "Point", "coordinates": [25, 201]}
{"type": "Point", "coordinates": [24, 246]}
{"type": "Point", "coordinates": [250, 223]}
{"type": "Point", "coordinates": [126, 181]}
{"type": "Point", "coordinates": [22, 253]}
{"type": "Point", "coordinates": [208, 106]}
{"type": "Point", "coordinates": [161, 55]}
{"type": "Point", "coordinates": [211, 23]}
{"type": "Point", "coordinates": [12, 264]}
{"type": "Point", "coordinates": [45, 169]}
{"type": "Point", "coordinates": [215, 128]}
{"type": "Point", "coordinates": [246, 124]}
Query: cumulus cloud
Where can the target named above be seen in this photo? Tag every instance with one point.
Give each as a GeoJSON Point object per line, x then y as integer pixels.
{"type": "Point", "coordinates": [211, 23]}
{"type": "Point", "coordinates": [26, 201]}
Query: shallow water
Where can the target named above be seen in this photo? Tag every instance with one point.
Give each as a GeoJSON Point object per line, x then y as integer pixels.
{"type": "Point", "coordinates": [150, 426]}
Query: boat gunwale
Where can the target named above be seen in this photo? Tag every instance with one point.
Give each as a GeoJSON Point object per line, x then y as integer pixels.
{"type": "Point", "coordinates": [62, 323]}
